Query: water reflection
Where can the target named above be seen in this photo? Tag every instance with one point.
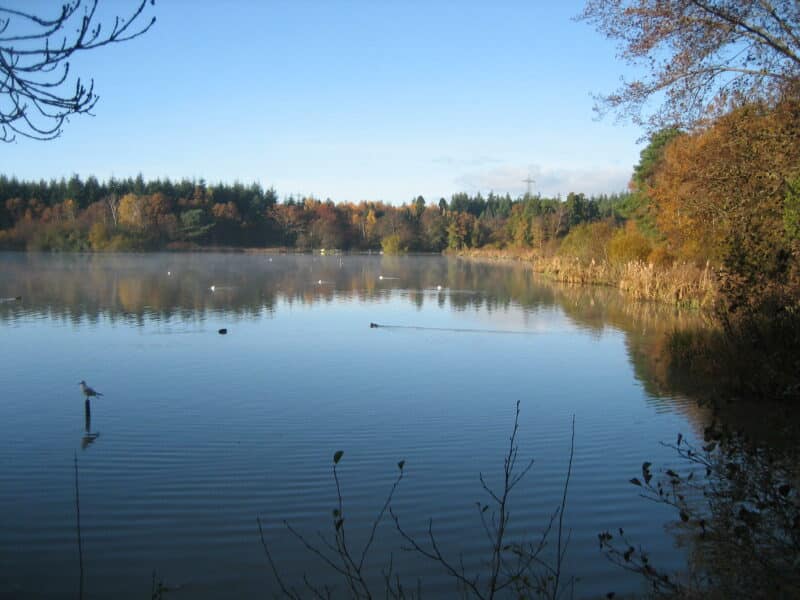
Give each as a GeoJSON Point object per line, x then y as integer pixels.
{"type": "Point", "coordinates": [89, 437]}
{"type": "Point", "coordinates": [299, 382]}
{"type": "Point", "coordinates": [191, 288]}
{"type": "Point", "coordinates": [165, 287]}
{"type": "Point", "coordinates": [185, 286]}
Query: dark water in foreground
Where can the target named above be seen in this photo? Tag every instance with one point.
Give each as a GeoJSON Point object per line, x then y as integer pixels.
{"type": "Point", "coordinates": [197, 434]}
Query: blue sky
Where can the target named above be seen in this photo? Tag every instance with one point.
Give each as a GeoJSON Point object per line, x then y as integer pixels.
{"type": "Point", "coordinates": [361, 100]}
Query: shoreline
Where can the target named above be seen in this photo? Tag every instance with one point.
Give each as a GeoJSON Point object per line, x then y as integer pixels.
{"type": "Point", "coordinates": [680, 284]}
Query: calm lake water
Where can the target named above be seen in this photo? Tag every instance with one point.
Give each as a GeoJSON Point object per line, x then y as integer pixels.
{"type": "Point", "coordinates": [197, 433]}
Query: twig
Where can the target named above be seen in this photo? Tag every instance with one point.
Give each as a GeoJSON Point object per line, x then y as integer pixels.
{"type": "Point", "coordinates": [559, 553]}
{"type": "Point", "coordinates": [272, 566]}
{"type": "Point", "coordinates": [378, 520]}
{"type": "Point", "coordinates": [503, 572]}
{"type": "Point", "coordinates": [436, 554]}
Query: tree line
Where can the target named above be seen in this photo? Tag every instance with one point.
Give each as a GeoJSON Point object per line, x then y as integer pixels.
{"type": "Point", "coordinates": [134, 214]}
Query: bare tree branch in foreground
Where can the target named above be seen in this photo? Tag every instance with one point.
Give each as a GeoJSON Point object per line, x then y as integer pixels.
{"type": "Point", "coordinates": [698, 56]}
{"type": "Point", "coordinates": [35, 53]}
{"type": "Point", "coordinates": [513, 567]}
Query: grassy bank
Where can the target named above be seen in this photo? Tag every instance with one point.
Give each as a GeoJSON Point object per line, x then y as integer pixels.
{"type": "Point", "coordinates": [681, 284]}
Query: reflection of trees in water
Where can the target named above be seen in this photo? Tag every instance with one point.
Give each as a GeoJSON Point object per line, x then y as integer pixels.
{"type": "Point", "coordinates": [128, 285]}
{"type": "Point", "coordinates": [135, 288]}
{"type": "Point", "coordinates": [163, 286]}
{"type": "Point", "coordinates": [166, 285]}
{"type": "Point", "coordinates": [737, 507]}
{"type": "Point", "coordinates": [138, 287]}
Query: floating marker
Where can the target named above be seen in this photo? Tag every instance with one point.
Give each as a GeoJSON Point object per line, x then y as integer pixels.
{"type": "Point", "coordinates": [169, 273]}
{"type": "Point", "coordinates": [438, 287]}
{"type": "Point", "coordinates": [211, 288]}
{"type": "Point", "coordinates": [380, 276]}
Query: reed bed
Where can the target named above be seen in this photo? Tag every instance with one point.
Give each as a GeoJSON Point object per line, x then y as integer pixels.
{"type": "Point", "coordinates": [680, 284]}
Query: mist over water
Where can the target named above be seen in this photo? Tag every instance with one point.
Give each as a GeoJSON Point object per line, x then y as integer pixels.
{"type": "Point", "coordinates": [198, 433]}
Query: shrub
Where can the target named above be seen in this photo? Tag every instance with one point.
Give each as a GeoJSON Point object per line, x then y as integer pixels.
{"type": "Point", "coordinates": [58, 238]}
{"type": "Point", "coordinates": [392, 244]}
{"type": "Point", "coordinates": [588, 241]}
{"type": "Point", "coordinates": [628, 245]}
{"type": "Point", "coordinates": [660, 257]}
{"type": "Point", "coordinates": [98, 236]}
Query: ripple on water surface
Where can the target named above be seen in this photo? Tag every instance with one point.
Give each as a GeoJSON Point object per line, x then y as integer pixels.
{"type": "Point", "coordinates": [198, 434]}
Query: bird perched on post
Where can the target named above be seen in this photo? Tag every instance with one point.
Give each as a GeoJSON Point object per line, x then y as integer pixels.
{"type": "Point", "coordinates": [87, 391]}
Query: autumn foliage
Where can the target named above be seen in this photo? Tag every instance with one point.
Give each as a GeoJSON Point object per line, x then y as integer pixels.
{"type": "Point", "coordinates": [721, 195]}
{"type": "Point", "coordinates": [134, 214]}
{"type": "Point", "coordinates": [718, 205]}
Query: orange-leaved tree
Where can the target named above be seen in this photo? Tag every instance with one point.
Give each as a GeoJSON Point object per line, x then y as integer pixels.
{"type": "Point", "coordinates": [721, 194]}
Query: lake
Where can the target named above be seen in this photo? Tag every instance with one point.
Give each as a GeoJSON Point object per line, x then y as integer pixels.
{"type": "Point", "coordinates": [197, 434]}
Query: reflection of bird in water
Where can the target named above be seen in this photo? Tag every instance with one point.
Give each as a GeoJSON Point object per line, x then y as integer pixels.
{"type": "Point", "coordinates": [87, 391]}
{"type": "Point", "coordinates": [89, 438]}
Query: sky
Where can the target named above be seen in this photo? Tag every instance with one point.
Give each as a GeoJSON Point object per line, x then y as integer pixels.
{"type": "Point", "coordinates": [348, 100]}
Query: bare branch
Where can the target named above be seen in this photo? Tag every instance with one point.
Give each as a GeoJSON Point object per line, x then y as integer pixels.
{"type": "Point", "coordinates": [436, 555]}
{"type": "Point", "coordinates": [559, 551]}
{"type": "Point", "coordinates": [699, 56]}
{"type": "Point", "coordinates": [272, 566]}
{"type": "Point", "coordinates": [509, 565]}
{"type": "Point", "coordinates": [34, 65]}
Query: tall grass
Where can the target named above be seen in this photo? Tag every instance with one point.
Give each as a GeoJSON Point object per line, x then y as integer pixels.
{"type": "Point", "coordinates": [681, 284]}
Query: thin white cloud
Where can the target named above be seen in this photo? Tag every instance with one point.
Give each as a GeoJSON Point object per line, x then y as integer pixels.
{"type": "Point", "coordinates": [548, 181]}
{"type": "Point", "coordinates": [477, 161]}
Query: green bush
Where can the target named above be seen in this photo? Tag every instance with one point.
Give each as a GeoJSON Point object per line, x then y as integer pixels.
{"type": "Point", "coordinates": [588, 241]}
{"type": "Point", "coordinates": [392, 244]}
{"type": "Point", "coordinates": [58, 238]}
{"type": "Point", "coordinates": [628, 245]}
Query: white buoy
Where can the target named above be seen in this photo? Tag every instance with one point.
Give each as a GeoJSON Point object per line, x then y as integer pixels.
{"type": "Point", "coordinates": [380, 276]}
{"type": "Point", "coordinates": [438, 287]}
{"type": "Point", "coordinates": [211, 288]}
{"type": "Point", "coordinates": [319, 282]}
{"type": "Point", "coordinates": [169, 273]}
